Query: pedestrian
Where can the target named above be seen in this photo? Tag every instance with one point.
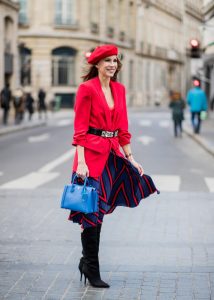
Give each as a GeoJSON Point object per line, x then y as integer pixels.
{"type": "Point", "coordinates": [19, 107]}
{"type": "Point", "coordinates": [177, 105]}
{"type": "Point", "coordinates": [197, 100]}
{"type": "Point", "coordinates": [5, 98]}
{"type": "Point", "coordinates": [100, 127]}
{"type": "Point", "coordinates": [29, 102]}
{"type": "Point", "coordinates": [212, 103]}
{"type": "Point", "coordinates": [41, 102]}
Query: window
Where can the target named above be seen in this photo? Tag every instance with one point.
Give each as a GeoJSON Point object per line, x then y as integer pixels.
{"type": "Point", "coordinates": [65, 12]}
{"type": "Point", "coordinates": [25, 66]}
{"type": "Point", "coordinates": [23, 12]}
{"type": "Point", "coordinates": [63, 66]}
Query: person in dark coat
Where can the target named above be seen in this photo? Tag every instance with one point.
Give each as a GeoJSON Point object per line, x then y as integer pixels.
{"type": "Point", "coordinates": [100, 129]}
{"type": "Point", "coordinates": [19, 106]}
{"type": "Point", "coordinates": [5, 98]}
{"type": "Point", "coordinates": [177, 105]}
{"type": "Point", "coordinates": [41, 102]}
{"type": "Point", "coordinates": [29, 102]}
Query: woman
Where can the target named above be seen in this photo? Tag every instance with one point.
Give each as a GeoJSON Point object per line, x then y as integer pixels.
{"type": "Point", "coordinates": [100, 127]}
{"type": "Point", "coordinates": [177, 105]}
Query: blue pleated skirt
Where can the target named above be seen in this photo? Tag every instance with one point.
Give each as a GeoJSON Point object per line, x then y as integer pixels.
{"type": "Point", "coordinates": [119, 185]}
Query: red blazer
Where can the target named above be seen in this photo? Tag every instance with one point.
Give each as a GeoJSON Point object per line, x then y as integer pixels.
{"type": "Point", "coordinates": [91, 109]}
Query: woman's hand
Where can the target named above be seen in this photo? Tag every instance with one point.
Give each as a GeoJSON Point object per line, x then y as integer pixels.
{"type": "Point", "coordinates": [82, 170]}
{"type": "Point", "coordinates": [137, 166]}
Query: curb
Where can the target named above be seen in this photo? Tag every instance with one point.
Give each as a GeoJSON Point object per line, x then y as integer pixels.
{"type": "Point", "coordinates": [200, 140]}
{"type": "Point", "coordinates": [15, 128]}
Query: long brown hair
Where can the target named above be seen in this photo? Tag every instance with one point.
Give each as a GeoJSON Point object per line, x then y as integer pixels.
{"type": "Point", "coordinates": [91, 71]}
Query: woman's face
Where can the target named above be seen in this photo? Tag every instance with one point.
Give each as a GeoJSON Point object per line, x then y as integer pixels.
{"type": "Point", "coordinates": [107, 66]}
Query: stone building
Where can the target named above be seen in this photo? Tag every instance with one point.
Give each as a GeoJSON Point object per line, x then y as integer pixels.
{"type": "Point", "coordinates": [8, 43]}
{"type": "Point", "coordinates": [208, 46]}
{"type": "Point", "coordinates": [152, 36]}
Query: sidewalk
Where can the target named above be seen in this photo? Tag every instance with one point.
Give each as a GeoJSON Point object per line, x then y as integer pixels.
{"type": "Point", "coordinates": [163, 250]}
{"type": "Point", "coordinates": [35, 122]}
{"type": "Point", "coordinates": [206, 137]}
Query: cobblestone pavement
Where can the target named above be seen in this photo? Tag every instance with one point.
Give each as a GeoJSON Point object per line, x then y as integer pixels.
{"type": "Point", "coordinates": [164, 249]}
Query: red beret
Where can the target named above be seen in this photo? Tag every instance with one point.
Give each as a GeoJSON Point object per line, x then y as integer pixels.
{"type": "Point", "coordinates": [101, 52]}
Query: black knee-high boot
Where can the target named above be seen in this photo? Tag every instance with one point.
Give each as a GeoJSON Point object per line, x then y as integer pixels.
{"type": "Point", "coordinates": [90, 262]}
{"type": "Point", "coordinates": [99, 226]}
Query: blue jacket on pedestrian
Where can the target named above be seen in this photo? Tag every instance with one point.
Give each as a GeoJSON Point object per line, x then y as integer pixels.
{"type": "Point", "coordinates": [197, 100]}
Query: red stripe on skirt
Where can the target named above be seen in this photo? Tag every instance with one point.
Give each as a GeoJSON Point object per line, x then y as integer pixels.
{"type": "Point", "coordinates": [103, 189]}
{"type": "Point", "coordinates": [140, 186]}
{"type": "Point", "coordinates": [109, 174]}
{"type": "Point", "coordinates": [102, 210]}
{"type": "Point", "coordinates": [119, 174]}
{"type": "Point", "coordinates": [133, 195]}
{"type": "Point", "coordinates": [89, 221]}
{"type": "Point", "coordinates": [127, 200]}
{"type": "Point", "coordinates": [115, 196]}
{"type": "Point", "coordinates": [72, 215]}
{"type": "Point", "coordinates": [148, 184]}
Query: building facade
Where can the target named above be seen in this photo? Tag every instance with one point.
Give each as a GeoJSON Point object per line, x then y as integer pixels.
{"type": "Point", "coordinates": [152, 36]}
{"type": "Point", "coordinates": [8, 43]}
{"type": "Point", "coordinates": [208, 46]}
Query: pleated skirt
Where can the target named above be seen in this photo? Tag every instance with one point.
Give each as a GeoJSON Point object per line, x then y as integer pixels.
{"type": "Point", "coordinates": [119, 185]}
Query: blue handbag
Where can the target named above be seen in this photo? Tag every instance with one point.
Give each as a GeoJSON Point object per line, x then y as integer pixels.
{"type": "Point", "coordinates": [82, 198]}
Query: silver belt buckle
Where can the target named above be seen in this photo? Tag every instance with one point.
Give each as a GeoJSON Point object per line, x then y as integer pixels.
{"type": "Point", "coordinates": [108, 134]}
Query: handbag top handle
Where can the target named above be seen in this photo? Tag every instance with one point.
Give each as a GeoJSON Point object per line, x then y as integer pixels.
{"type": "Point", "coordinates": [85, 181]}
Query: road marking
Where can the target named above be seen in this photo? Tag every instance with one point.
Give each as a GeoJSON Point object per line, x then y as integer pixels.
{"type": "Point", "coordinates": [167, 183]}
{"type": "Point", "coordinates": [164, 123]}
{"type": "Point", "coordinates": [42, 176]}
{"type": "Point", "coordinates": [56, 162]}
{"type": "Point", "coordinates": [145, 123]}
{"type": "Point", "coordinates": [210, 183]}
{"type": "Point", "coordinates": [39, 138]}
{"type": "Point", "coordinates": [65, 122]}
{"type": "Point", "coordinates": [30, 181]}
{"type": "Point", "coordinates": [145, 140]}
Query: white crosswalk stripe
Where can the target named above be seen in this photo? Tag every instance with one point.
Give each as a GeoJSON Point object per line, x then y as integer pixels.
{"type": "Point", "coordinates": [39, 138]}
{"type": "Point", "coordinates": [167, 183]}
{"type": "Point", "coordinates": [164, 123]}
{"type": "Point", "coordinates": [145, 140]}
{"type": "Point", "coordinates": [65, 122]}
{"type": "Point", "coordinates": [149, 123]}
{"type": "Point", "coordinates": [42, 176]}
{"type": "Point", "coordinates": [146, 123]}
{"type": "Point", "coordinates": [30, 181]}
{"type": "Point", "coordinates": [210, 183]}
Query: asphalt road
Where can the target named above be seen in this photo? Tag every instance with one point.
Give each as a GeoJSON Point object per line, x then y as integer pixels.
{"type": "Point", "coordinates": [179, 161]}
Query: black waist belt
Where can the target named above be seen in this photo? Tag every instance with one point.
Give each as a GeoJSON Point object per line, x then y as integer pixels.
{"type": "Point", "coordinates": [103, 133]}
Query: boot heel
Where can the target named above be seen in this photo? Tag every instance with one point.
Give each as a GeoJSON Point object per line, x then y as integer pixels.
{"type": "Point", "coordinates": [85, 279]}
{"type": "Point", "coordinates": [80, 276]}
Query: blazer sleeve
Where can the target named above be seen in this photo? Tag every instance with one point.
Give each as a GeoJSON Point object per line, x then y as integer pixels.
{"type": "Point", "coordinates": [82, 110]}
{"type": "Point", "coordinates": [123, 135]}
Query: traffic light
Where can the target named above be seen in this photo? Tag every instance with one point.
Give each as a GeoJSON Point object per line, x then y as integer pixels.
{"type": "Point", "coordinates": [195, 50]}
